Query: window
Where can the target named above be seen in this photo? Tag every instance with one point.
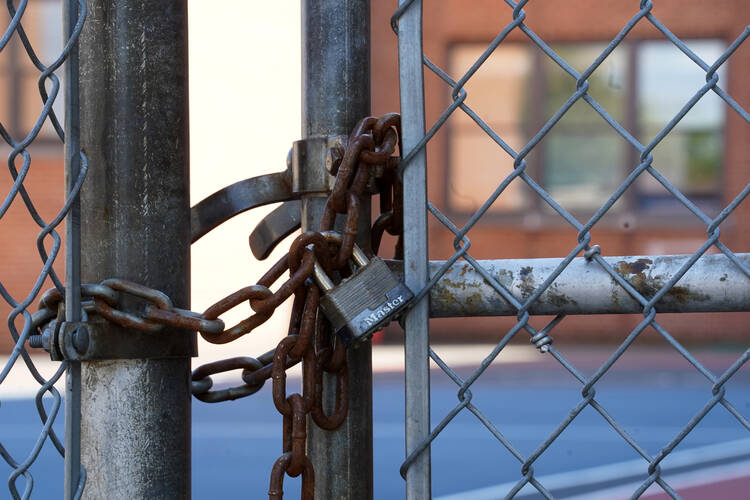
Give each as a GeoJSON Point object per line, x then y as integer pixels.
{"type": "Point", "coordinates": [582, 160]}
{"type": "Point", "coordinates": [691, 155]}
{"type": "Point", "coordinates": [486, 163]}
{"type": "Point", "coordinates": [20, 102]}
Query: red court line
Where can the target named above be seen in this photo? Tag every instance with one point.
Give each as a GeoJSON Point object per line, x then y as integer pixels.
{"type": "Point", "coordinates": [728, 489]}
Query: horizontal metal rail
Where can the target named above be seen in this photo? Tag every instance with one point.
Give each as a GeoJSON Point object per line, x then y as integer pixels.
{"type": "Point", "coordinates": [712, 284]}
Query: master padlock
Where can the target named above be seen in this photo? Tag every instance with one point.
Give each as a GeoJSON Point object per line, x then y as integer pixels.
{"type": "Point", "coordinates": [368, 299]}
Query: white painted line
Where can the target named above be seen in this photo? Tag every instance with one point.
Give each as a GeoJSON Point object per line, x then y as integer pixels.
{"type": "Point", "coordinates": [621, 470]}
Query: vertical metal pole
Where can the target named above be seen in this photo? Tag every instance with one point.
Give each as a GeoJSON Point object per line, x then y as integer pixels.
{"type": "Point", "coordinates": [335, 95]}
{"type": "Point", "coordinates": [72, 255]}
{"type": "Point", "coordinates": [417, 374]}
{"type": "Point", "coordinates": [135, 413]}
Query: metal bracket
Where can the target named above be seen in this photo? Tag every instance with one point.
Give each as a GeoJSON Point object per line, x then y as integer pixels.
{"type": "Point", "coordinates": [304, 161]}
{"type": "Point", "coordinates": [98, 339]}
{"type": "Point", "coordinates": [237, 198]}
{"type": "Point", "coordinates": [299, 178]}
{"type": "Point", "coordinates": [308, 156]}
{"type": "Point", "coordinates": [274, 227]}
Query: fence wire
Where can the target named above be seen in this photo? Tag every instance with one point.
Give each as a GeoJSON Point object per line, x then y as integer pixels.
{"type": "Point", "coordinates": [541, 338]}
{"type": "Point", "coordinates": [22, 322]}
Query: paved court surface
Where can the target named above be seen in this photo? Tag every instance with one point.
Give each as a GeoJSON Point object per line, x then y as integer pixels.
{"type": "Point", "coordinates": [651, 392]}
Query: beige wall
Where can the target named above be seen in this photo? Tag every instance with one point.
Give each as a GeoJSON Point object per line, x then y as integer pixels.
{"type": "Point", "coordinates": [244, 116]}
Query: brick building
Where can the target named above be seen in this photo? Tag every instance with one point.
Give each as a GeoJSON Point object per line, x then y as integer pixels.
{"type": "Point", "coordinates": [642, 84]}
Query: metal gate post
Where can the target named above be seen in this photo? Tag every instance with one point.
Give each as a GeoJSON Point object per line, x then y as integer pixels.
{"type": "Point", "coordinates": [335, 95]}
{"type": "Point", "coordinates": [416, 275]}
{"type": "Point", "coordinates": [135, 413]}
{"type": "Point", "coordinates": [72, 255]}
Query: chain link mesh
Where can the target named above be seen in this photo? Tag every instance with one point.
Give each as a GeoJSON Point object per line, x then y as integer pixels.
{"type": "Point", "coordinates": [645, 168]}
{"type": "Point", "coordinates": [16, 43]}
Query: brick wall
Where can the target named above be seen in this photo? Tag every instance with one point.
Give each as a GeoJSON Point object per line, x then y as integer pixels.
{"type": "Point", "coordinates": [20, 259]}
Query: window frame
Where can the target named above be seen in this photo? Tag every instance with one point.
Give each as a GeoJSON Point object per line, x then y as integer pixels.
{"type": "Point", "coordinates": [636, 210]}
{"type": "Point", "coordinates": [14, 64]}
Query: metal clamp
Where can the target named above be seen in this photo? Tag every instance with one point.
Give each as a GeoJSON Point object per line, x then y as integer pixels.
{"type": "Point", "coordinates": [64, 340]}
{"type": "Point", "coordinates": [308, 155]}
{"type": "Point", "coordinates": [274, 227]}
{"type": "Point", "coordinates": [98, 339]}
{"type": "Point", "coordinates": [237, 198]}
{"type": "Point", "coordinates": [307, 177]}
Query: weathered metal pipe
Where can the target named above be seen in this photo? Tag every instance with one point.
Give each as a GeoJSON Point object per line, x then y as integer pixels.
{"type": "Point", "coordinates": [712, 284]}
{"type": "Point", "coordinates": [335, 96]}
{"type": "Point", "coordinates": [135, 223]}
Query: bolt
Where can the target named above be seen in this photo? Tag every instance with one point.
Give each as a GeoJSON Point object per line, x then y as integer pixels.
{"type": "Point", "coordinates": [81, 339]}
{"type": "Point", "coordinates": [333, 159]}
{"type": "Point", "coordinates": [35, 341]}
{"type": "Point", "coordinates": [289, 159]}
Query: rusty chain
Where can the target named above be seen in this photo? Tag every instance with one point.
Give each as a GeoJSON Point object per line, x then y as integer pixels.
{"type": "Point", "coordinates": [366, 166]}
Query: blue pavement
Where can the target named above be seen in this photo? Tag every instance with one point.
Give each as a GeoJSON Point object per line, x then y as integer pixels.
{"type": "Point", "coordinates": [235, 443]}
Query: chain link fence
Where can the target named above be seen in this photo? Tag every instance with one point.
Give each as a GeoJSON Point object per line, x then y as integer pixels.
{"type": "Point", "coordinates": [45, 78]}
{"type": "Point", "coordinates": [407, 24]}
{"type": "Point", "coordinates": [31, 133]}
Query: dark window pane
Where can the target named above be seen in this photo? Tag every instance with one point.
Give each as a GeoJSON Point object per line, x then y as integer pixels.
{"type": "Point", "coordinates": [583, 159]}
{"type": "Point", "coordinates": [690, 160]}
{"type": "Point", "coordinates": [478, 166]}
{"type": "Point", "coordinates": [21, 102]}
{"type": "Point", "coordinates": [5, 101]}
{"type": "Point", "coordinates": [690, 156]}
{"type": "Point", "coordinates": [607, 85]}
{"type": "Point", "coordinates": [583, 155]}
{"type": "Point", "coordinates": [667, 79]}
{"type": "Point", "coordinates": [33, 105]}
{"type": "Point", "coordinates": [582, 170]}
{"type": "Point", "coordinates": [42, 24]}
{"type": "Point", "coordinates": [499, 92]}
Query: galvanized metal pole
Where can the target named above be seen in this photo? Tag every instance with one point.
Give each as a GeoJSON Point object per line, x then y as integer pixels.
{"type": "Point", "coordinates": [135, 413]}
{"type": "Point", "coordinates": [417, 333]}
{"type": "Point", "coordinates": [712, 284]}
{"type": "Point", "coordinates": [72, 255]}
{"type": "Point", "coordinates": [335, 95]}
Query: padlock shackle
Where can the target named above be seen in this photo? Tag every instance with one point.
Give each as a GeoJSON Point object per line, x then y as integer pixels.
{"type": "Point", "coordinates": [324, 282]}
{"type": "Point", "coordinates": [358, 256]}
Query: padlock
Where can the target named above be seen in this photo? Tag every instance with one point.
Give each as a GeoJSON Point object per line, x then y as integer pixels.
{"type": "Point", "coordinates": [362, 303]}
